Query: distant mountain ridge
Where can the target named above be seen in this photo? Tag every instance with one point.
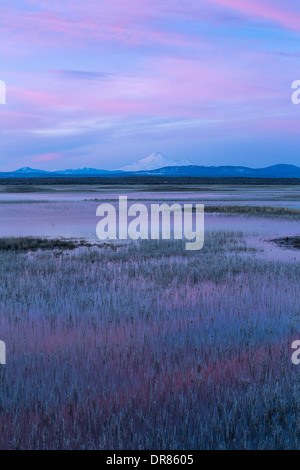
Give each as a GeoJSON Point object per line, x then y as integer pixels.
{"type": "Point", "coordinates": [27, 170]}
{"type": "Point", "coordinates": [151, 166]}
{"type": "Point", "coordinates": [274, 171]}
{"type": "Point", "coordinates": [31, 172]}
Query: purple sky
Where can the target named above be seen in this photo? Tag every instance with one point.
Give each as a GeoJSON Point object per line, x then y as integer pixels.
{"type": "Point", "coordinates": [103, 83]}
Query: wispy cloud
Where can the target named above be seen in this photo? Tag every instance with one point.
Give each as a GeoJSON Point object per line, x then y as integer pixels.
{"type": "Point", "coordinates": [46, 157]}
{"type": "Point", "coordinates": [120, 76]}
{"type": "Point", "coordinates": [82, 74]}
{"type": "Point", "coordinates": [279, 12]}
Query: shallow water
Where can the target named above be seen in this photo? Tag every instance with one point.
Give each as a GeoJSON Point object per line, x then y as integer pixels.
{"type": "Point", "coordinates": [73, 215]}
{"type": "Point", "coordinates": [287, 196]}
{"type": "Point", "coordinates": [117, 349]}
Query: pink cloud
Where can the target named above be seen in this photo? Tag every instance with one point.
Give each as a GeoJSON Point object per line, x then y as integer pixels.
{"type": "Point", "coordinates": [130, 23]}
{"type": "Point", "coordinates": [35, 97]}
{"type": "Point", "coordinates": [169, 87]}
{"type": "Point", "coordinates": [226, 80]}
{"type": "Point", "coordinates": [47, 157]}
{"type": "Point", "coordinates": [266, 10]}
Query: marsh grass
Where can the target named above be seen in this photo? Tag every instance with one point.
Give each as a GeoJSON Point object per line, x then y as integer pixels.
{"type": "Point", "coordinates": [288, 242]}
{"type": "Point", "coordinates": [262, 211]}
{"type": "Point", "coordinates": [25, 244]}
{"type": "Point", "coordinates": [33, 244]}
{"type": "Point", "coordinates": [149, 347]}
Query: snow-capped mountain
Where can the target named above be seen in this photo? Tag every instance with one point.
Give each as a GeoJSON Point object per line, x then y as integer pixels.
{"type": "Point", "coordinates": [154, 162]}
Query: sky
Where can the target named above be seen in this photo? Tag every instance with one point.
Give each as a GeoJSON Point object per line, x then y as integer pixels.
{"type": "Point", "coordinates": [103, 83]}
